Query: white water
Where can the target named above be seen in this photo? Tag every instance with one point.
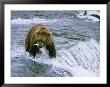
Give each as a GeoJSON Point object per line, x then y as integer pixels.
{"type": "Point", "coordinates": [36, 20]}
{"type": "Point", "coordinates": [81, 59]}
{"type": "Point", "coordinates": [88, 17]}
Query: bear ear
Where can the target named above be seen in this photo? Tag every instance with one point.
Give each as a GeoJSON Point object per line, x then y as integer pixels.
{"type": "Point", "coordinates": [50, 33]}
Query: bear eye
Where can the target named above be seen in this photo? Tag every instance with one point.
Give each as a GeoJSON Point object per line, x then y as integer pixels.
{"type": "Point", "coordinates": [49, 34]}
{"type": "Point", "coordinates": [37, 33]}
{"type": "Point", "coordinates": [43, 33]}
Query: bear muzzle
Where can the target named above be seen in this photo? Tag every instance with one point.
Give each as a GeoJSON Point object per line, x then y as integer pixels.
{"type": "Point", "coordinates": [39, 44]}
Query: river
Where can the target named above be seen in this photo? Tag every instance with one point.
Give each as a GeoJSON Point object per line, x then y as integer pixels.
{"type": "Point", "coordinates": [77, 44]}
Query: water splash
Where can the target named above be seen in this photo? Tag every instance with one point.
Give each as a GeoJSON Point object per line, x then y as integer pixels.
{"type": "Point", "coordinates": [79, 60]}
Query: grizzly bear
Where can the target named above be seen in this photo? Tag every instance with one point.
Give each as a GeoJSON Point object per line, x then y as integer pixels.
{"type": "Point", "coordinates": [38, 37]}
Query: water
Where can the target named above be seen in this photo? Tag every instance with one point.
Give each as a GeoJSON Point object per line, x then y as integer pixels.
{"type": "Point", "coordinates": [76, 41]}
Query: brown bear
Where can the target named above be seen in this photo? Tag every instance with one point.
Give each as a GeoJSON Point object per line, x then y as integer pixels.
{"type": "Point", "coordinates": [39, 37]}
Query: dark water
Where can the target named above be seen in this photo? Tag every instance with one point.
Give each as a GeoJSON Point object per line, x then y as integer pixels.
{"type": "Point", "coordinates": [76, 42]}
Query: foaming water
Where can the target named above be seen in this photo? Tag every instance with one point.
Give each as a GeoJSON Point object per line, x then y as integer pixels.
{"type": "Point", "coordinates": [79, 60]}
{"type": "Point", "coordinates": [20, 21]}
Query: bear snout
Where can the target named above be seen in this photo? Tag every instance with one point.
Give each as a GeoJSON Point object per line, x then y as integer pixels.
{"type": "Point", "coordinates": [39, 44]}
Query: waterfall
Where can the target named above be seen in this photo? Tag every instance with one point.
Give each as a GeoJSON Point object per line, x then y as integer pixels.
{"type": "Point", "coordinates": [81, 59]}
